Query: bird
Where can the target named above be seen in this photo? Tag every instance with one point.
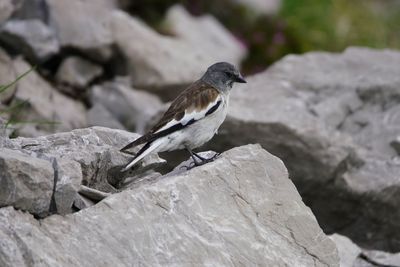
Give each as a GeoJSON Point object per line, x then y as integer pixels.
{"type": "Point", "coordinates": [193, 118]}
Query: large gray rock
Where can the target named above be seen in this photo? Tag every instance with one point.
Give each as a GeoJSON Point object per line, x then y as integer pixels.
{"type": "Point", "coordinates": [83, 25]}
{"type": "Point", "coordinates": [206, 34]}
{"type": "Point", "coordinates": [32, 38]}
{"type": "Point", "coordinates": [131, 107]}
{"type": "Point", "coordinates": [353, 256]}
{"type": "Point", "coordinates": [38, 184]}
{"type": "Point", "coordinates": [96, 150]}
{"type": "Point", "coordinates": [239, 210]}
{"type": "Point", "coordinates": [77, 72]}
{"type": "Point", "coordinates": [47, 110]}
{"type": "Point", "coordinates": [332, 119]}
{"type": "Point", "coordinates": [163, 64]}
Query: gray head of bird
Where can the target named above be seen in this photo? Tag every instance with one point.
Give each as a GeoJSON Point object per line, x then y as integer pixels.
{"type": "Point", "coordinates": [223, 75]}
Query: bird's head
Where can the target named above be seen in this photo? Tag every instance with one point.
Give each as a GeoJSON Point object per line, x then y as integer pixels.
{"type": "Point", "coordinates": [222, 75]}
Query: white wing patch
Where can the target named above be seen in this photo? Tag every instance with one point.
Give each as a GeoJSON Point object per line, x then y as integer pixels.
{"type": "Point", "coordinates": [194, 115]}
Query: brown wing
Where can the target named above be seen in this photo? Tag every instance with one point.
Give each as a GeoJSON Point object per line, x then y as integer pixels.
{"type": "Point", "coordinates": [195, 98]}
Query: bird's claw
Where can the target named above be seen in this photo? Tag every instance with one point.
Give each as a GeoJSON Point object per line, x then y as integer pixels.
{"type": "Point", "coordinates": [195, 163]}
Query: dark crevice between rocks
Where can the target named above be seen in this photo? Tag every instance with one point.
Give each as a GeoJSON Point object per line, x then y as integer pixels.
{"type": "Point", "coordinates": [364, 257]}
{"type": "Point", "coordinates": [53, 205]}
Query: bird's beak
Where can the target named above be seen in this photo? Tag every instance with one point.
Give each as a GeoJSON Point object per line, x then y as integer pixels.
{"type": "Point", "coordinates": [240, 79]}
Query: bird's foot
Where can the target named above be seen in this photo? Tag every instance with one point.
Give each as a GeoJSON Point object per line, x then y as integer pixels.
{"type": "Point", "coordinates": [196, 163]}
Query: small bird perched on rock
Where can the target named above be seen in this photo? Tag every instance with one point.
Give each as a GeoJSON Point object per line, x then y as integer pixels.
{"type": "Point", "coordinates": [193, 117]}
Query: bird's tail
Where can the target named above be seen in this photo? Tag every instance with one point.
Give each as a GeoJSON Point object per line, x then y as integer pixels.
{"type": "Point", "coordinates": [144, 151]}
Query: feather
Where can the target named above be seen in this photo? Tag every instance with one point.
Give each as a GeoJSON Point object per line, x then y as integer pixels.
{"type": "Point", "coordinates": [193, 104]}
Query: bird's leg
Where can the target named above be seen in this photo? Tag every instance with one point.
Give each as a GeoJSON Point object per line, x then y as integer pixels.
{"type": "Point", "coordinates": [194, 155]}
{"type": "Point", "coordinates": [198, 156]}
{"type": "Point", "coordinates": [216, 155]}
{"type": "Point", "coordinates": [203, 160]}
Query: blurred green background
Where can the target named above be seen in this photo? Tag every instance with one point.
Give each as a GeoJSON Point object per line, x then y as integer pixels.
{"type": "Point", "coordinates": [300, 25]}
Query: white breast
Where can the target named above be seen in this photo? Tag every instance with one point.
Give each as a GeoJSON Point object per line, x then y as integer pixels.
{"type": "Point", "coordinates": [199, 132]}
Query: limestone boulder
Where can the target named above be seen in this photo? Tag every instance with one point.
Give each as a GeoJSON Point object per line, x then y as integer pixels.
{"type": "Point", "coordinates": [333, 119]}
{"type": "Point", "coordinates": [238, 210]}
{"type": "Point", "coordinates": [38, 184]}
{"type": "Point", "coordinates": [96, 150]}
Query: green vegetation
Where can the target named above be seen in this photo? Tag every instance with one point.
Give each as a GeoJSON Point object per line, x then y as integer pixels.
{"type": "Point", "coordinates": [335, 24]}
{"type": "Point", "coordinates": [12, 112]}
{"type": "Point", "coordinates": [300, 26]}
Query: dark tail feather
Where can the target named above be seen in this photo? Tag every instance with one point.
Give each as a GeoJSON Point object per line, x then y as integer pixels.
{"type": "Point", "coordinates": [144, 151]}
{"type": "Point", "coordinates": [141, 140]}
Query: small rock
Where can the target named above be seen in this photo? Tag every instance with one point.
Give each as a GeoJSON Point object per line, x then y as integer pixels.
{"type": "Point", "coordinates": [77, 72]}
{"type": "Point", "coordinates": [131, 107]}
{"type": "Point", "coordinates": [68, 175]}
{"type": "Point", "coordinates": [82, 202]}
{"type": "Point", "coordinates": [26, 182]}
{"type": "Point", "coordinates": [32, 38]}
{"type": "Point", "coordinates": [93, 194]}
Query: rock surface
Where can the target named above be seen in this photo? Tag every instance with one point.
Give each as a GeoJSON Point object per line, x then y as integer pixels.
{"type": "Point", "coordinates": [32, 9]}
{"type": "Point", "coordinates": [331, 118]}
{"type": "Point", "coordinates": [353, 256]}
{"type": "Point", "coordinates": [150, 59]}
{"type": "Point", "coordinates": [206, 34]}
{"type": "Point", "coordinates": [131, 107]}
{"type": "Point", "coordinates": [96, 150]}
{"type": "Point", "coordinates": [43, 175]}
{"type": "Point", "coordinates": [239, 210]}
{"type": "Point", "coordinates": [32, 38]}
{"type": "Point", "coordinates": [77, 72]}
{"type": "Point", "coordinates": [94, 38]}
{"type": "Point", "coordinates": [44, 105]}
{"type": "Point", "coordinates": [7, 7]}
{"type": "Point", "coordinates": [98, 115]}
{"type": "Point", "coordinates": [37, 183]}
